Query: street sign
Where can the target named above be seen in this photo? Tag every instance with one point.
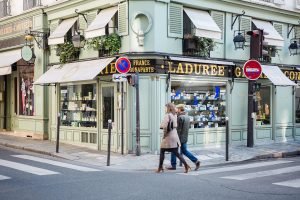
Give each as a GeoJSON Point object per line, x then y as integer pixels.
{"type": "Point", "coordinates": [252, 69]}
{"type": "Point", "coordinates": [119, 77]}
{"type": "Point", "coordinates": [123, 65]}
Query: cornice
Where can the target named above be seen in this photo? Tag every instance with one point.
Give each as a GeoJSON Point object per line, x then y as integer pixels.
{"type": "Point", "coordinates": [23, 15]}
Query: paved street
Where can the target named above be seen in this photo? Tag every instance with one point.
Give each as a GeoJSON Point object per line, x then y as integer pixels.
{"type": "Point", "coordinates": [32, 176]}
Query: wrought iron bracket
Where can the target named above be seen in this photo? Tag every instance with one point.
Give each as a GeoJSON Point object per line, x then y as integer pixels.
{"type": "Point", "coordinates": [39, 37]}
{"type": "Point", "coordinates": [83, 15]}
{"type": "Point", "coordinates": [290, 29]}
{"type": "Point", "coordinates": [234, 20]}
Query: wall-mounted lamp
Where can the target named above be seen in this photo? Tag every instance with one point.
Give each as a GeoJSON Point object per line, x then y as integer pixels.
{"type": "Point", "coordinates": [294, 46]}
{"type": "Point", "coordinates": [39, 37]}
{"type": "Point", "coordinates": [239, 38]}
{"type": "Point", "coordinates": [78, 41]}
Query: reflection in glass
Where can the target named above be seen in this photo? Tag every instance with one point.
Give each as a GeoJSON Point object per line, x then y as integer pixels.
{"type": "Point", "coordinates": [107, 105]}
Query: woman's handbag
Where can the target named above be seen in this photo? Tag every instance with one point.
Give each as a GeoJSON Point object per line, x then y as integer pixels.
{"type": "Point", "coordinates": [170, 125]}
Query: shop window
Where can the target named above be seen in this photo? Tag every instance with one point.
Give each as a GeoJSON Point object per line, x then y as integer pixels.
{"type": "Point", "coordinates": [26, 92]}
{"type": "Point", "coordinates": [263, 115]}
{"type": "Point", "coordinates": [84, 137]}
{"type": "Point", "coordinates": [107, 105]}
{"type": "Point", "coordinates": [78, 105]}
{"type": "Point", "coordinates": [205, 103]}
{"type": "Point", "coordinates": [93, 138]}
{"type": "Point", "coordinates": [4, 8]}
{"type": "Point", "coordinates": [297, 118]}
{"type": "Point", "coordinates": [28, 4]}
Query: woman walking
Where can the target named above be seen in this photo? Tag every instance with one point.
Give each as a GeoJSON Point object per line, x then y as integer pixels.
{"type": "Point", "coordinates": [170, 140]}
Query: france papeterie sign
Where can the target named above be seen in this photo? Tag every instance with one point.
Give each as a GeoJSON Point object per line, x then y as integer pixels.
{"type": "Point", "coordinates": [252, 69]}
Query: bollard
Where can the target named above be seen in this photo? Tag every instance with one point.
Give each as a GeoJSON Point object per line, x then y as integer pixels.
{"type": "Point", "coordinates": [227, 138]}
{"type": "Point", "coordinates": [109, 141]}
{"type": "Point", "coordinates": [57, 133]}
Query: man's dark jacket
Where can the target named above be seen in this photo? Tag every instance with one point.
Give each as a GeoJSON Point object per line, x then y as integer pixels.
{"type": "Point", "coordinates": [183, 126]}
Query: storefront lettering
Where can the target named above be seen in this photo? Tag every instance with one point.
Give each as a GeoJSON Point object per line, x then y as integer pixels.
{"type": "Point", "coordinates": [293, 75]}
{"type": "Point", "coordinates": [16, 27]}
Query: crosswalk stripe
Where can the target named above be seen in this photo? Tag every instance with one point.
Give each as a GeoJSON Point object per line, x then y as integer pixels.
{"type": "Point", "coordinates": [290, 183]}
{"type": "Point", "coordinates": [56, 163]}
{"type": "Point", "coordinates": [264, 173]}
{"type": "Point", "coordinates": [3, 177]}
{"type": "Point", "coordinates": [26, 168]}
{"type": "Point", "coordinates": [234, 168]}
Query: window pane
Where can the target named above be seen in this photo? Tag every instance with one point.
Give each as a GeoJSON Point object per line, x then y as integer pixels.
{"type": "Point", "coordinates": [26, 93]}
{"type": "Point", "coordinates": [107, 105]}
{"type": "Point", "coordinates": [205, 103]}
{"type": "Point", "coordinates": [297, 105]}
{"type": "Point", "coordinates": [78, 105]}
{"type": "Point", "coordinates": [263, 116]}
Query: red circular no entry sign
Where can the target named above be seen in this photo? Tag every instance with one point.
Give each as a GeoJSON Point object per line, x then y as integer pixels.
{"type": "Point", "coordinates": [252, 69]}
{"type": "Point", "coordinates": [123, 65]}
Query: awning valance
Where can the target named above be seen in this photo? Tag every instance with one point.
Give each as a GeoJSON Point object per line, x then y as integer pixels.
{"type": "Point", "coordinates": [195, 60]}
{"type": "Point", "coordinates": [71, 72]}
{"type": "Point", "coordinates": [273, 38]}
{"type": "Point", "coordinates": [276, 76]}
{"type": "Point", "coordinates": [58, 35]}
{"type": "Point", "coordinates": [97, 27]}
{"type": "Point", "coordinates": [204, 23]}
{"type": "Point", "coordinates": [7, 59]}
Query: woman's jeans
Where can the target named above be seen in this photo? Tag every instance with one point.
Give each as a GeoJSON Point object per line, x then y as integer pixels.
{"type": "Point", "coordinates": [185, 152]}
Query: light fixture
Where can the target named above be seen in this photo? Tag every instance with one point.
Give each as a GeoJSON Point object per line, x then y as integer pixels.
{"type": "Point", "coordinates": [78, 41]}
{"type": "Point", "coordinates": [38, 36]}
{"type": "Point", "coordinates": [294, 47]}
{"type": "Point", "coordinates": [239, 39]}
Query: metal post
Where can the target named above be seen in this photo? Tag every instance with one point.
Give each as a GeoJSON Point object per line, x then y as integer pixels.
{"type": "Point", "coordinates": [109, 142]}
{"type": "Point", "coordinates": [57, 132]}
{"type": "Point", "coordinates": [227, 138]}
{"type": "Point", "coordinates": [138, 147]}
{"type": "Point", "coordinates": [122, 118]}
{"type": "Point", "coordinates": [250, 114]}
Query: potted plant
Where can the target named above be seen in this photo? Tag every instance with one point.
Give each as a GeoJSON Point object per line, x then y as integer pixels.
{"type": "Point", "coordinates": [67, 52]}
{"type": "Point", "coordinates": [110, 44]}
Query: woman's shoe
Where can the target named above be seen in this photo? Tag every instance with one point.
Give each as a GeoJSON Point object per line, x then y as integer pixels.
{"type": "Point", "coordinates": [198, 163]}
{"type": "Point", "coordinates": [159, 170]}
{"type": "Point", "coordinates": [187, 168]}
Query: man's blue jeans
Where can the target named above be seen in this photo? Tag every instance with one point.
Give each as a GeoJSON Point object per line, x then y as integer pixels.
{"type": "Point", "coordinates": [185, 152]}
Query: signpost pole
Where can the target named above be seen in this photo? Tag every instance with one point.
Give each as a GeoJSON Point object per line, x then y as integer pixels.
{"type": "Point", "coordinates": [122, 118]}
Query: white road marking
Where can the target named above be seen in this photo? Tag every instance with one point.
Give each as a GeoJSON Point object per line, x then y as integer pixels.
{"type": "Point", "coordinates": [290, 183]}
{"type": "Point", "coordinates": [264, 173]}
{"type": "Point", "coordinates": [3, 177]}
{"type": "Point", "coordinates": [57, 163]}
{"type": "Point", "coordinates": [26, 168]}
{"type": "Point", "coordinates": [234, 168]}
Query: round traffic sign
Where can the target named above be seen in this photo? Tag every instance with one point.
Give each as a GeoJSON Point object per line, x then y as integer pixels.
{"type": "Point", "coordinates": [252, 69]}
{"type": "Point", "coordinates": [123, 65]}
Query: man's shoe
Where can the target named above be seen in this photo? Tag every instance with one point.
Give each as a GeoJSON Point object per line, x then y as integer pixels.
{"type": "Point", "coordinates": [197, 165]}
{"type": "Point", "coordinates": [171, 168]}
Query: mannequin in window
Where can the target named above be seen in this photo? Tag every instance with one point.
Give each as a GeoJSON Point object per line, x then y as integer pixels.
{"type": "Point", "coordinates": [23, 93]}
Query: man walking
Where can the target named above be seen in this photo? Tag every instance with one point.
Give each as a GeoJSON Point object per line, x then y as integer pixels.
{"type": "Point", "coordinates": [183, 126]}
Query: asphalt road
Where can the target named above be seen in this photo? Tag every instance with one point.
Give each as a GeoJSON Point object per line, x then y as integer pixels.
{"type": "Point", "coordinates": [36, 177]}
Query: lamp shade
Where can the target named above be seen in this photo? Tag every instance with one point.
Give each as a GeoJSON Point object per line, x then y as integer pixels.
{"type": "Point", "coordinates": [78, 41]}
{"type": "Point", "coordinates": [239, 41]}
{"type": "Point", "coordinates": [294, 49]}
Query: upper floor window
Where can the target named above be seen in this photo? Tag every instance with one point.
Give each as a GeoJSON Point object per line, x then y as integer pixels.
{"type": "Point", "coordinates": [4, 8]}
{"type": "Point", "coordinates": [28, 4]}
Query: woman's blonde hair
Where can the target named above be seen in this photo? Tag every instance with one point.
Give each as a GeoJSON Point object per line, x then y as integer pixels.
{"type": "Point", "coordinates": [171, 108]}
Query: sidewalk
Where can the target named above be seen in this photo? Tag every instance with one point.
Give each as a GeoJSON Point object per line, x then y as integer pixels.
{"type": "Point", "coordinates": [207, 156]}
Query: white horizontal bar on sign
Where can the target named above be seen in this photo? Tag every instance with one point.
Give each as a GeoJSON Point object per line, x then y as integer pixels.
{"type": "Point", "coordinates": [264, 173]}
{"type": "Point", "coordinates": [56, 163]}
{"type": "Point", "coordinates": [239, 167]}
{"type": "Point", "coordinates": [4, 177]}
{"type": "Point", "coordinates": [26, 168]}
{"type": "Point", "coordinates": [290, 183]}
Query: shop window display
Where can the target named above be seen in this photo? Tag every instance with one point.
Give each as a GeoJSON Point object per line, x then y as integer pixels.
{"type": "Point", "coordinates": [78, 105]}
{"type": "Point", "coordinates": [26, 92]}
{"type": "Point", "coordinates": [263, 106]}
{"type": "Point", "coordinates": [297, 95]}
{"type": "Point", "coordinates": [108, 105]}
{"type": "Point", "coordinates": [204, 103]}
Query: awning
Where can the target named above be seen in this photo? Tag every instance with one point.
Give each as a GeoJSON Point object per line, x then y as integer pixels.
{"type": "Point", "coordinates": [194, 60]}
{"type": "Point", "coordinates": [58, 35]}
{"type": "Point", "coordinates": [97, 27]}
{"type": "Point", "coordinates": [7, 59]}
{"type": "Point", "coordinates": [205, 25]}
{"type": "Point", "coordinates": [273, 38]}
{"type": "Point", "coordinates": [80, 71]}
{"type": "Point", "coordinates": [276, 76]}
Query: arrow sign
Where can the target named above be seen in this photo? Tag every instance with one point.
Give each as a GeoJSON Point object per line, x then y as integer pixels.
{"type": "Point", "coordinates": [119, 77]}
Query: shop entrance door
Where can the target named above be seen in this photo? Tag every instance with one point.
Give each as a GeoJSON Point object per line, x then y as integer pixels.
{"type": "Point", "coordinates": [108, 111]}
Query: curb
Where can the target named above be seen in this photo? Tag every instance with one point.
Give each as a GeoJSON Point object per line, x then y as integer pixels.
{"type": "Point", "coordinates": [277, 155]}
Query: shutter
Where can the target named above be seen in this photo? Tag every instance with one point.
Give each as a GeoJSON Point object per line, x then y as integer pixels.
{"type": "Point", "coordinates": [218, 17]}
{"type": "Point", "coordinates": [123, 19]}
{"type": "Point", "coordinates": [25, 5]}
{"type": "Point", "coordinates": [246, 25]}
{"type": "Point", "coordinates": [281, 2]}
{"type": "Point", "coordinates": [278, 27]}
{"type": "Point", "coordinates": [298, 4]}
{"type": "Point", "coordinates": [297, 32]}
{"type": "Point", "coordinates": [175, 20]}
{"type": "Point", "coordinates": [82, 23]}
{"type": "Point", "coordinates": [91, 16]}
{"type": "Point", "coordinates": [2, 9]}
{"type": "Point", "coordinates": [53, 25]}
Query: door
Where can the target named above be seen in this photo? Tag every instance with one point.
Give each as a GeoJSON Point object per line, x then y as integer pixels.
{"type": "Point", "coordinates": [107, 107]}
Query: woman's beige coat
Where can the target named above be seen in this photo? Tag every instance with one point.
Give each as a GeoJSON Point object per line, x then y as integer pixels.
{"type": "Point", "coordinates": [171, 139]}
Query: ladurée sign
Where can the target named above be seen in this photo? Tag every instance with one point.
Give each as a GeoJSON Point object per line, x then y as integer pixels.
{"type": "Point", "coordinates": [15, 27]}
